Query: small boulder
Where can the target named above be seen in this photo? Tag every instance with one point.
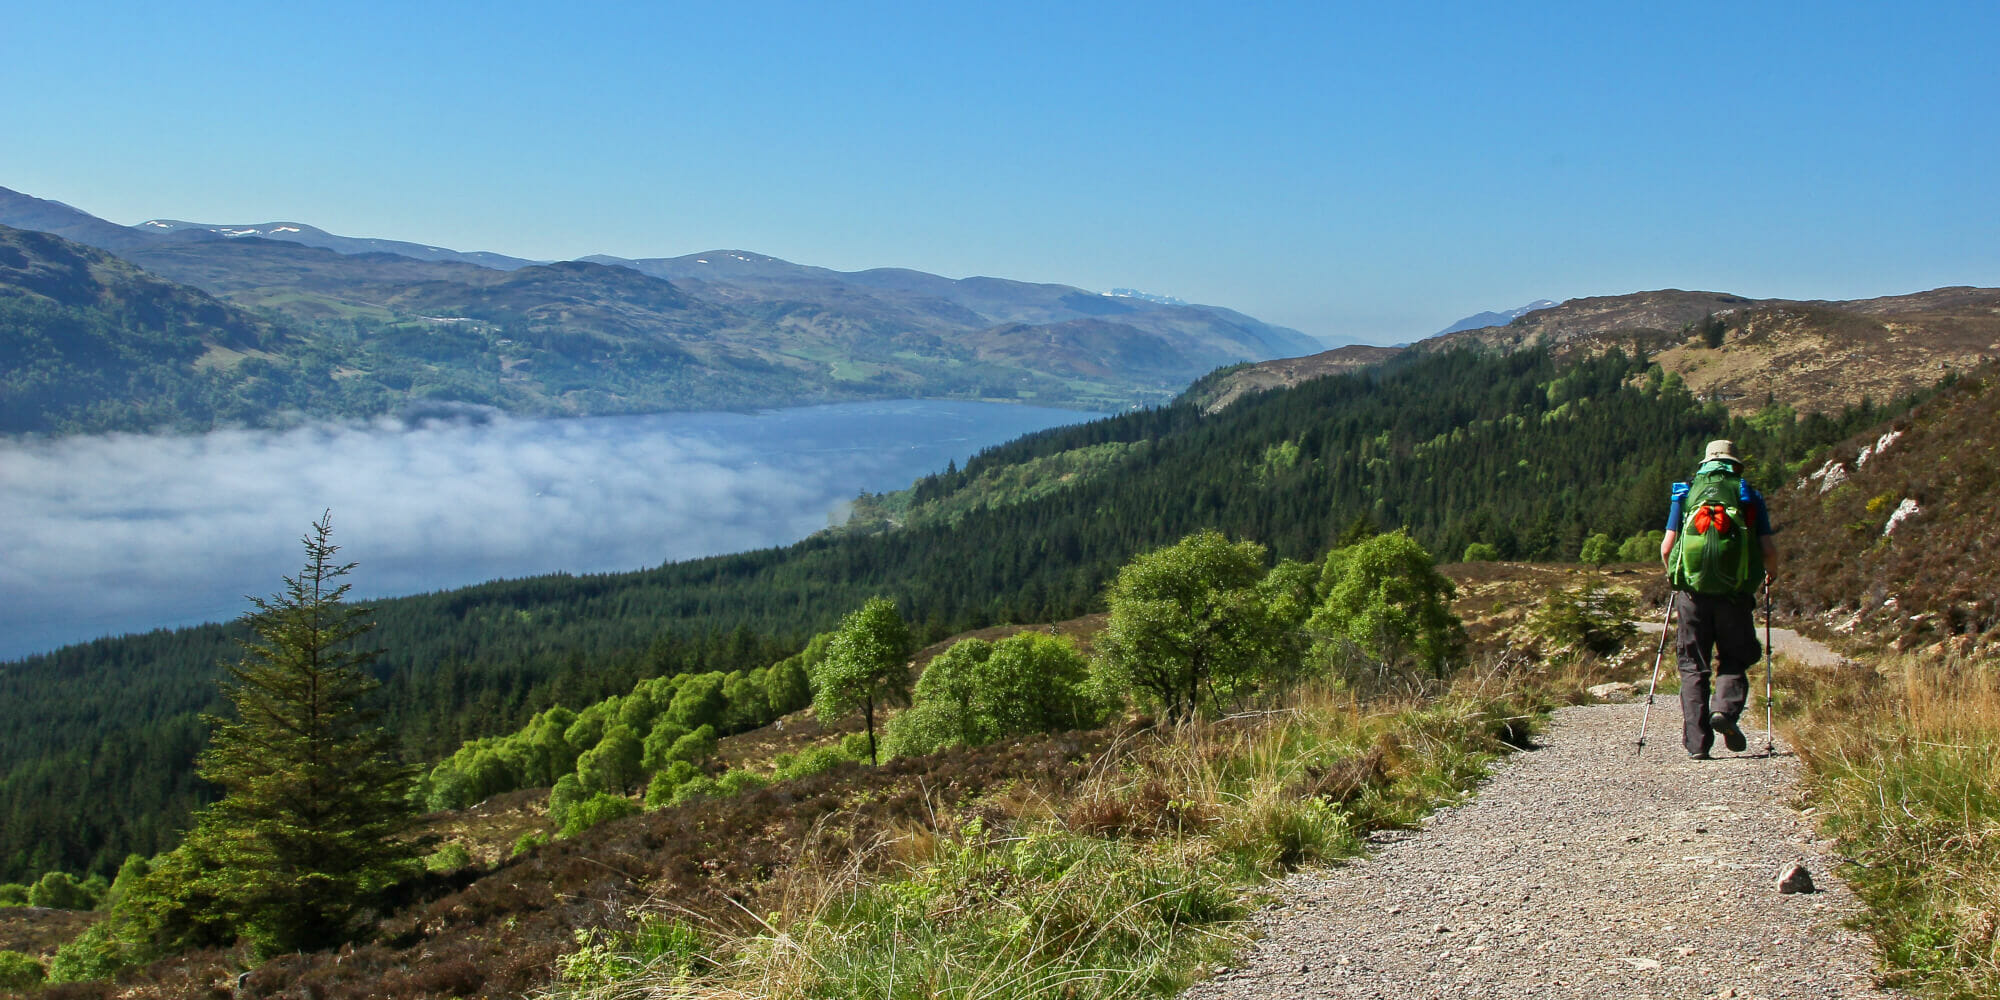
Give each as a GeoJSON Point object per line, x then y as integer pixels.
{"type": "Point", "coordinates": [1614, 691]}
{"type": "Point", "coordinates": [1795, 878]}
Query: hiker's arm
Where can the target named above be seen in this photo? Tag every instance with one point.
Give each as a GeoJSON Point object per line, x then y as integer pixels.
{"type": "Point", "coordinates": [1667, 546]}
{"type": "Point", "coordinates": [1770, 556]}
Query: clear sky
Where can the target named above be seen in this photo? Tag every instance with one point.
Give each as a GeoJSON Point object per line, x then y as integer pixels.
{"type": "Point", "coordinates": [1372, 171]}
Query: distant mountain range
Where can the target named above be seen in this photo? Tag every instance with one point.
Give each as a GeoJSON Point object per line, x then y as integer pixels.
{"type": "Point", "coordinates": [1501, 318]}
{"type": "Point", "coordinates": [369, 325]}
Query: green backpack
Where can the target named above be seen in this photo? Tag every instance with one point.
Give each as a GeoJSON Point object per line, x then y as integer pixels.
{"type": "Point", "coordinates": [1717, 553]}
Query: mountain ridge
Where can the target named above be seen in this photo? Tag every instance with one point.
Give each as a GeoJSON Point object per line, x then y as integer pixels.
{"type": "Point", "coordinates": [718, 330]}
{"type": "Point", "coordinates": [1811, 355]}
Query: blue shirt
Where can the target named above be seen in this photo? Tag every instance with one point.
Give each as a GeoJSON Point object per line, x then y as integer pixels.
{"type": "Point", "coordinates": [1745, 495]}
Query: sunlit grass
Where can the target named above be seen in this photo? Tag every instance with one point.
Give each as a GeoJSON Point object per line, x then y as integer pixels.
{"type": "Point", "coordinates": [1904, 764]}
{"type": "Point", "coordinates": [1132, 884]}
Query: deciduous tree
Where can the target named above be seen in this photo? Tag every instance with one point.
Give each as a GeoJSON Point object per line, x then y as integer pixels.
{"type": "Point", "coordinates": [866, 666]}
{"type": "Point", "coordinates": [1386, 607]}
{"type": "Point", "coordinates": [1189, 623]}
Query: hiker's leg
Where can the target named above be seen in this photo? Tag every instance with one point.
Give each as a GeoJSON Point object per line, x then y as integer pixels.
{"type": "Point", "coordinates": [1736, 651]}
{"type": "Point", "coordinates": [1691, 644]}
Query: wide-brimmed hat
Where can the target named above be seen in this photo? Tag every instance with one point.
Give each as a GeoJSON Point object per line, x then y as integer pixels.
{"type": "Point", "coordinates": [1723, 449]}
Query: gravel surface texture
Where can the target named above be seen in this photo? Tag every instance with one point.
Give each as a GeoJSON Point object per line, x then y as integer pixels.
{"type": "Point", "coordinates": [1784, 642]}
{"type": "Point", "coordinates": [1581, 869]}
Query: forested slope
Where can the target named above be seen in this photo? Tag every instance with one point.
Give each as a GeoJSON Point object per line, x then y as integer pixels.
{"type": "Point", "coordinates": [1518, 451]}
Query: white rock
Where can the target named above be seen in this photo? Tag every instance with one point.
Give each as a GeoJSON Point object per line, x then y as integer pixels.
{"type": "Point", "coordinates": [1905, 510]}
{"type": "Point", "coordinates": [1614, 691]}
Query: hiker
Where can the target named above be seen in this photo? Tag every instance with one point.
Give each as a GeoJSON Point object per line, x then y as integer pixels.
{"type": "Point", "coordinates": [1718, 551]}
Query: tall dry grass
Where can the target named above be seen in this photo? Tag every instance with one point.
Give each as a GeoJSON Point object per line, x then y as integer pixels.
{"type": "Point", "coordinates": [1903, 762]}
{"type": "Point", "coordinates": [1130, 883]}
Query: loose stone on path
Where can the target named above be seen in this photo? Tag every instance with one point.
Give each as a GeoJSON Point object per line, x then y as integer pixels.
{"type": "Point", "coordinates": [1580, 870]}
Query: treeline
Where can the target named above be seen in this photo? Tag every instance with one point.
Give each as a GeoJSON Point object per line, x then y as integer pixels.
{"type": "Point", "coordinates": [1517, 452]}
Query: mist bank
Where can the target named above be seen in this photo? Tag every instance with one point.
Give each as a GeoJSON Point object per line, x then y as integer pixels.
{"type": "Point", "coordinates": [125, 532]}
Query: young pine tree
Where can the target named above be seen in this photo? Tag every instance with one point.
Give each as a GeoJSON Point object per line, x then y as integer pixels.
{"type": "Point", "coordinates": [314, 821]}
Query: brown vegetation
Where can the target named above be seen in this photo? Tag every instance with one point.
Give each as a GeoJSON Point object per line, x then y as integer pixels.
{"type": "Point", "coordinates": [1931, 579]}
{"type": "Point", "coordinates": [1811, 356]}
{"type": "Point", "coordinates": [38, 931]}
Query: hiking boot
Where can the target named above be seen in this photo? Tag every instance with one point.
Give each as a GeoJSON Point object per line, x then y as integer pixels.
{"type": "Point", "coordinates": [1732, 737]}
{"type": "Point", "coordinates": [1699, 755]}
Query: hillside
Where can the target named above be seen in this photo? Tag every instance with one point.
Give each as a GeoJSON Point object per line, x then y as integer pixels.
{"type": "Point", "coordinates": [1814, 357]}
{"type": "Point", "coordinates": [89, 342]}
{"type": "Point", "coordinates": [1219, 389]}
{"type": "Point", "coordinates": [509, 920]}
{"type": "Point", "coordinates": [1893, 534]}
{"type": "Point", "coordinates": [1459, 447]}
{"type": "Point", "coordinates": [416, 323]}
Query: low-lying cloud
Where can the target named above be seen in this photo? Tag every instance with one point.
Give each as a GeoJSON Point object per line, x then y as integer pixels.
{"type": "Point", "coordinates": [110, 534]}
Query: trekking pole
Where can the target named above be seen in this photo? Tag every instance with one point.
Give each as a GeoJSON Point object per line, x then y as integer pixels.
{"type": "Point", "coordinates": [1770, 739]}
{"type": "Point", "coordinates": [1646, 715]}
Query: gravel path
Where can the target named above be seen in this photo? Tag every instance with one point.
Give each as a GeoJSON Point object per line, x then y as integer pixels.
{"type": "Point", "coordinates": [1784, 642]}
{"type": "Point", "coordinates": [1579, 870]}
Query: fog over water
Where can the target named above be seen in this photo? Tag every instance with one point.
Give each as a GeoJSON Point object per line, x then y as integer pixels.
{"type": "Point", "coordinates": [110, 534]}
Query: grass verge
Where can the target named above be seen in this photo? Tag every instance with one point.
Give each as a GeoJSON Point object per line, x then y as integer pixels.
{"type": "Point", "coordinates": [1129, 882]}
{"type": "Point", "coordinates": [1903, 763]}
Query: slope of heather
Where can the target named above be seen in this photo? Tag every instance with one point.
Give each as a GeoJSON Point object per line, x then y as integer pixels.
{"type": "Point", "coordinates": [1815, 357]}
{"type": "Point", "coordinates": [1895, 533]}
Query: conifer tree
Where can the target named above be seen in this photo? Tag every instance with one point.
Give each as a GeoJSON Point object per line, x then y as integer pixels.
{"type": "Point", "coordinates": [314, 820]}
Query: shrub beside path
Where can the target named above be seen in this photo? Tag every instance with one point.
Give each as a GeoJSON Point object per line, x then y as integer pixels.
{"type": "Point", "coordinates": [1581, 869]}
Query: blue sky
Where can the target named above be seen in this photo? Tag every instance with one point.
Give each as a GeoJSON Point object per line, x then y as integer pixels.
{"type": "Point", "coordinates": [1367, 171]}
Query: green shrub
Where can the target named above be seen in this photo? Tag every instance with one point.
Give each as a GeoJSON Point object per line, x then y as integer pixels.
{"type": "Point", "coordinates": [613, 764]}
{"type": "Point", "coordinates": [1387, 609]}
{"type": "Point", "coordinates": [695, 789]}
{"type": "Point", "coordinates": [1481, 552]}
{"type": "Point", "coordinates": [695, 747]}
{"type": "Point", "coordinates": [1598, 549]}
{"type": "Point", "coordinates": [19, 971]}
{"type": "Point", "coordinates": [659, 947]}
{"type": "Point", "coordinates": [600, 808]}
{"type": "Point", "coordinates": [564, 797]}
{"type": "Point", "coordinates": [658, 747]}
{"type": "Point", "coordinates": [739, 781]}
{"type": "Point", "coordinates": [528, 842]}
{"type": "Point", "coordinates": [855, 745]}
{"type": "Point", "coordinates": [13, 894]}
{"type": "Point", "coordinates": [1642, 547]}
{"type": "Point", "coordinates": [660, 791]}
{"type": "Point", "coordinates": [977, 692]}
{"type": "Point", "coordinates": [61, 891]}
{"type": "Point", "coordinates": [449, 858]}
{"type": "Point", "coordinates": [1586, 617]}
{"type": "Point", "coordinates": [130, 874]}
{"type": "Point", "coordinates": [810, 761]}
{"type": "Point", "coordinates": [95, 954]}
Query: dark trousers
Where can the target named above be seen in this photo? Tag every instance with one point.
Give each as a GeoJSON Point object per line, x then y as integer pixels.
{"type": "Point", "coordinates": [1718, 633]}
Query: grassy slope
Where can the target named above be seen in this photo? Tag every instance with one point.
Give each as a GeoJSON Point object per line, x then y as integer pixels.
{"type": "Point", "coordinates": [1903, 748]}
{"type": "Point", "coordinates": [1116, 861]}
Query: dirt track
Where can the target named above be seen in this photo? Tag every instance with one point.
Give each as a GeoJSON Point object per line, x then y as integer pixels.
{"type": "Point", "coordinates": [1580, 870]}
